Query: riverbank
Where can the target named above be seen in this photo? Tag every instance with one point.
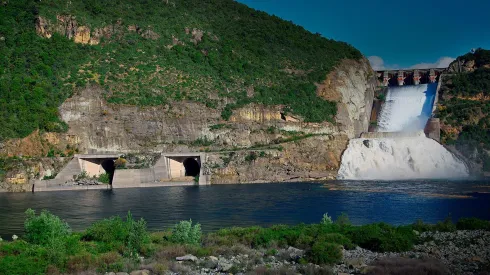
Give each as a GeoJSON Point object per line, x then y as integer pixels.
{"type": "Point", "coordinates": [329, 247]}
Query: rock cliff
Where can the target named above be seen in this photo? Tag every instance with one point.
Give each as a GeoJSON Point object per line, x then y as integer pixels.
{"type": "Point", "coordinates": [243, 93]}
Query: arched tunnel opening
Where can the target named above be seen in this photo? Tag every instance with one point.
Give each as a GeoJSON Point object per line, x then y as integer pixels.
{"type": "Point", "coordinates": [108, 166]}
{"type": "Point", "coordinates": [192, 167]}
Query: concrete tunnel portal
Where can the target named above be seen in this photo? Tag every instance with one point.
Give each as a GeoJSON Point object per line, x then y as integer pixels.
{"type": "Point", "coordinates": [192, 167]}
{"type": "Point", "coordinates": [109, 168]}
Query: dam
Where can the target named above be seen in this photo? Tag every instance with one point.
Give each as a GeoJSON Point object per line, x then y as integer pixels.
{"type": "Point", "coordinates": [403, 142]}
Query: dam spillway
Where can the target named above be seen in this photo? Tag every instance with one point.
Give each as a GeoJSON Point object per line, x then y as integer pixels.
{"type": "Point", "coordinates": [399, 149]}
{"type": "Point", "coordinates": [407, 108]}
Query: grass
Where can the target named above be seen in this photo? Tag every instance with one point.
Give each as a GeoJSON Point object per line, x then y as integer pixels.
{"type": "Point", "coordinates": [114, 244]}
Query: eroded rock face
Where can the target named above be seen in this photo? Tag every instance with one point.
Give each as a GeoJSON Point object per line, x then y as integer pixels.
{"type": "Point", "coordinates": [311, 150]}
{"type": "Point", "coordinates": [68, 26]}
{"type": "Point", "coordinates": [352, 86]}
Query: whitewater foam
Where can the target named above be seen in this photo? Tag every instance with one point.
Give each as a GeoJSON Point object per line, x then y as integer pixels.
{"type": "Point", "coordinates": [406, 108]}
{"type": "Point", "coordinates": [398, 159]}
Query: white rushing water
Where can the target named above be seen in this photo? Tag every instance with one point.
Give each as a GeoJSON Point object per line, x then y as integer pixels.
{"type": "Point", "coordinates": [406, 108]}
{"type": "Point", "coordinates": [406, 153]}
{"type": "Point", "coordinates": [399, 158]}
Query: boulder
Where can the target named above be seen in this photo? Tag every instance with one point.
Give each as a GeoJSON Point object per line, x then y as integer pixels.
{"type": "Point", "coordinates": [295, 253]}
{"type": "Point", "coordinates": [140, 272]}
{"type": "Point", "coordinates": [188, 257]}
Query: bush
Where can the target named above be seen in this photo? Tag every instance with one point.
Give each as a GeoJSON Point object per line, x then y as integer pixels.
{"type": "Point", "coordinates": [343, 220]}
{"type": "Point", "coordinates": [446, 226]}
{"type": "Point", "coordinates": [472, 224]}
{"type": "Point", "coordinates": [104, 178]}
{"type": "Point", "coordinates": [338, 239]}
{"type": "Point", "coordinates": [120, 163]}
{"type": "Point", "coordinates": [45, 228]}
{"type": "Point", "coordinates": [115, 232]}
{"type": "Point", "coordinates": [251, 157]}
{"type": "Point", "coordinates": [185, 233]}
{"type": "Point", "coordinates": [326, 219]}
{"type": "Point", "coordinates": [382, 237]}
{"type": "Point", "coordinates": [325, 253]}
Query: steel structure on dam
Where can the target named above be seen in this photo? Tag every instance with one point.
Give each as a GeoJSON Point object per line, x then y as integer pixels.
{"type": "Point", "coordinates": [409, 76]}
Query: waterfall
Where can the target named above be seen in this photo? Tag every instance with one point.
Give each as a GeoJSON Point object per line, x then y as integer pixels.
{"type": "Point", "coordinates": [407, 108]}
{"type": "Point", "coordinates": [401, 151]}
{"type": "Point", "coordinates": [399, 158]}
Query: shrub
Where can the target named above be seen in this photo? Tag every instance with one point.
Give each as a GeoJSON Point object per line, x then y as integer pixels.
{"type": "Point", "coordinates": [325, 253]}
{"type": "Point", "coordinates": [120, 163]}
{"type": "Point", "coordinates": [446, 226]}
{"type": "Point", "coordinates": [50, 177]}
{"type": "Point", "coordinates": [251, 157]}
{"type": "Point", "coordinates": [338, 239]}
{"type": "Point", "coordinates": [382, 237]}
{"type": "Point", "coordinates": [116, 233]}
{"type": "Point", "coordinates": [45, 228]}
{"type": "Point", "coordinates": [82, 175]}
{"type": "Point", "coordinates": [343, 220]}
{"type": "Point", "coordinates": [326, 219]}
{"type": "Point", "coordinates": [185, 233]}
{"type": "Point", "coordinates": [472, 224]}
{"type": "Point", "coordinates": [104, 178]}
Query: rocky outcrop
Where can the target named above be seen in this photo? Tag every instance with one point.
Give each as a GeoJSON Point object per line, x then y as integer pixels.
{"type": "Point", "coordinates": [461, 252]}
{"type": "Point", "coordinates": [67, 25]}
{"type": "Point", "coordinates": [352, 86]}
{"type": "Point", "coordinates": [265, 145]}
{"type": "Point", "coordinates": [39, 144]}
{"type": "Point", "coordinates": [21, 172]}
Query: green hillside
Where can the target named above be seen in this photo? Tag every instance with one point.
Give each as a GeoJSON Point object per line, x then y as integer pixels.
{"type": "Point", "coordinates": [465, 109]}
{"type": "Point", "coordinates": [217, 52]}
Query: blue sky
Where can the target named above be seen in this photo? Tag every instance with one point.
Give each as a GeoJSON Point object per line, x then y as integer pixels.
{"type": "Point", "coordinates": [393, 34]}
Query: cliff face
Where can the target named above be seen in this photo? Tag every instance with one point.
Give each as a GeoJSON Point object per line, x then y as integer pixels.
{"type": "Point", "coordinates": [352, 86]}
{"type": "Point", "coordinates": [284, 147]}
{"type": "Point", "coordinates": [176, 86]}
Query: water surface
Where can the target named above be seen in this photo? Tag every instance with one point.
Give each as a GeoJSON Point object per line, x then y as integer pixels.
{"type": "Point", "coordinates": [219, 206]}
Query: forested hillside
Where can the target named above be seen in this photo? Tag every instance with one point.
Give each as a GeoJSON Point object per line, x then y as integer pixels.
{"type": "Point", "coordinates": [465, 107]}
{"type": "Point", "coordinates": [143, 52]}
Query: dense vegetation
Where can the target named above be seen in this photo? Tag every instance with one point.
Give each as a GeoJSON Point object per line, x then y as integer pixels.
{"type": "Point", "coordinates": [244, 56]}
{"type": "Point", "coordinates": [115, 244]}
{"type": "Point", "coordinates": [466, 107]}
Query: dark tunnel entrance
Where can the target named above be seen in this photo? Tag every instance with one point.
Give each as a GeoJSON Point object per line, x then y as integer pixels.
{"type": "Point", "coordinates": [108, 166]}
{"type": "Point", "coordinates": [192, 167]}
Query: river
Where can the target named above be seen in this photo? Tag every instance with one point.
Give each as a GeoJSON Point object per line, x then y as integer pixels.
{"type": "Point", "coordinates": [218, 206]}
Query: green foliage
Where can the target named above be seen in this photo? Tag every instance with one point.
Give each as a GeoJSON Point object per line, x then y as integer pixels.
{"type": "Point", "coordinates": [82, 175]}
{"type": "Point", "coordinates": [219, 126]}
{"type": "Point", "coordinates": [252, 156]}
{"type": "Point", "coordinates": [337, 238]}
{"type": "Point", "coordinates": [104, 178]}
{"type": "Point", "coordinates": [116, 233]}
{"type": "Point", "coordinates": [241, 48]}
{"type": "Point", "coordinates": [204, 141]}
{"type": "Point", "coordinates": [49, 231]}
{"type": "Point", "coordinates": [463, 108]}
{"type": "Point", "coordinates": [343, 220]}
{"type": "Point", "coordinates": [324, 252]}
{"type": "Point", "coordinates": [112, 245]}
{"type": "Point", "coordinates": [472, 224]}
{"type": "Point", "coordinates": [445, 226]}
{"type": "Point", "coordinates": [381, 97]}
{"type": "Point", "coordinates": [50, 177]}
{"type": "Point", "coordinates": [326, 219]}
{"type": "Point", "coordinates": [382, 237]}
{"type": "Point", "coordinates": [44, 228]}
{"type": "Point", "coordinates": [185, 233]}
